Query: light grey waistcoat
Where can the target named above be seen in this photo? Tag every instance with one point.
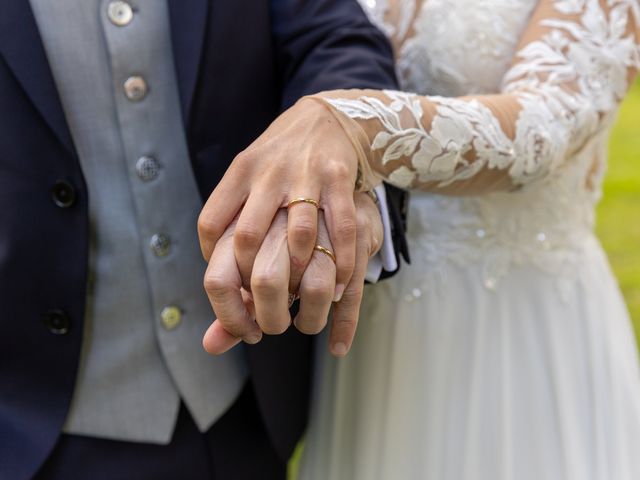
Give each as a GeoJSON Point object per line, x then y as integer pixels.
{"type": "Point", "coordinates": [147, 310]}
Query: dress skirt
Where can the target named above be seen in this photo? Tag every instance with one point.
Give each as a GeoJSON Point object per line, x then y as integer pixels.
{"type": "Point", "coordinates": [455, 381]}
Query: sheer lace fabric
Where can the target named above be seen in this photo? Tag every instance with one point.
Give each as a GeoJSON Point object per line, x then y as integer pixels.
{"type": "Point", "coordinates": [573, 66]}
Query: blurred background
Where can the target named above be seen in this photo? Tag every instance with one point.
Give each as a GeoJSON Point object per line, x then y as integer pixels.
{"type": "Point", "coordinates": [619, 212]}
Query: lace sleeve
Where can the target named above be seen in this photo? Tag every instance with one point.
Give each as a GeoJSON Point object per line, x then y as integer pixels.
{"type": "Point", "coordinates": [573, 66]}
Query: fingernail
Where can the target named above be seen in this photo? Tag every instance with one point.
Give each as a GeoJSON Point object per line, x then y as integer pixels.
{"type": "Point", "coordinates": [339, 291]}
{"type": "Point", "coordinates": [339, 349]}
{"type": "Point", "coordinates": [253, 339]}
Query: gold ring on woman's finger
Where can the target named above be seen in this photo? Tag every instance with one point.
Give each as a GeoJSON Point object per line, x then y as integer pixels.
{"type": "Point", "coordinates": [310, 201]}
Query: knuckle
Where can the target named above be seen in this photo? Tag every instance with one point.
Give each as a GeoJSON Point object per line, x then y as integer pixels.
{"type": "Point", "coordinates": [364, 223]}
{"type": "Point", "coordinates": [347, 227]}
{"type": "Point", "coordinates": [244, 158]}
{"type": "Point", "coordinates": [208, 228]}
{"type": "Point", "coordinates": [304, 232]}
{"type": "Point", "coordinates": [264, 283]}
{"type": "Point", "coordinates": [338, 171]}
{"type": "Point", "coordinates": [217, 286]}
{"type": "Point", "coordinates": [244, 164]}
{"type": "Point", "coordinates": [318, 289]}
{"type": "Point", "coordinates": [246, 237]}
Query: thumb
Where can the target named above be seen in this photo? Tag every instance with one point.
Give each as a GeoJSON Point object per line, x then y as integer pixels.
{"type": "Point", "coordinates": [217, 340]}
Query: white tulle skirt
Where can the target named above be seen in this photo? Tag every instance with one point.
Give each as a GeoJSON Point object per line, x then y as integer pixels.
{"type": "Point", "coordinates": [463, 383]}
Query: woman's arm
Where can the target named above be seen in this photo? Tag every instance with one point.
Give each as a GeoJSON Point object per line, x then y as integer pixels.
{"type": "Point", "coordinates": [574, 64]}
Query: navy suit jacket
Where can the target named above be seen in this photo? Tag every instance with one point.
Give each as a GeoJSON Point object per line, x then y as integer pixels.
{"type": "Point", "coordinates": [239, 63]}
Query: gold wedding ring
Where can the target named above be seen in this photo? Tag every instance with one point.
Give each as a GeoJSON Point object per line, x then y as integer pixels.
{"type": "Point", "coordinates": [310, 201]}
{"type": "Point", "coordinates": [326, 251]}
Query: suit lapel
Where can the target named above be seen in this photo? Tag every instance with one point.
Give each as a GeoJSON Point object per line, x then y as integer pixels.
{"type": "Point", "coordinates": [22, 50]}
{"type": "Point", "coordinates": [188, 25]}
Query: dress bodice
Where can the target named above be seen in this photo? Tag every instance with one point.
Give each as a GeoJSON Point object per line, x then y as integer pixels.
{"type": "Point", "coordinates": [454, 48]}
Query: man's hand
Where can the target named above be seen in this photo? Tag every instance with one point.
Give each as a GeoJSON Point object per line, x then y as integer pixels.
{"type": "Point", "coordinates": [303, 154]}
{"type": "Point", "coordinates": [244, 315]}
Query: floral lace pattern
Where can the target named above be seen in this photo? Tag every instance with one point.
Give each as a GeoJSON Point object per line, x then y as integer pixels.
{"type": "Point", "coordinates": [557, 69]}
{"type": "Point", "coordinates": [555, 97]}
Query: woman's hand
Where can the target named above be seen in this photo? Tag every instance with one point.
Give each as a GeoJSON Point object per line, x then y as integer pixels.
{"type": "Point", "coordinates": [305, 153]}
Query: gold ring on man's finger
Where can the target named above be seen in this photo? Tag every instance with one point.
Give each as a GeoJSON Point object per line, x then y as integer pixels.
{"type": "Point", "coordinates": [326, 251]}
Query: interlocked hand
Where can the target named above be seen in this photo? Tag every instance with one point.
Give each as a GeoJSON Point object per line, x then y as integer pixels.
{"type": "Point", "coordinates": [246, 310]}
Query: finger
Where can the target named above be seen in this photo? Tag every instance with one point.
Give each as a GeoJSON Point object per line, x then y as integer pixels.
{"type": "Point", "coordinates": [369, 220]}
{"type": "Point", "coordinates": [222, 284]}
{"type": "Point", "coordinates": [346, 312]}
{"type": "Point", "coordinates": [341, 222]}
{"type": "Point", "coordinates": [270, 279]}
{"type": "Point", "coordinates": [223, 205]}
{"type": "Point", "coordinates": [302, 231]}
{"type": "Point", "coordinates": [247, 298]}
{"type": "Point", "coordinates": [317, 287]}
{"type": "Point", "coordinates": [217, 340]}
{"type": "Point", "coordinates": [253, 224]}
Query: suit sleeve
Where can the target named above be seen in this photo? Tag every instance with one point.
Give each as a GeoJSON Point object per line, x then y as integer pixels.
{"type": "Point", "coordinates": [328, 44]}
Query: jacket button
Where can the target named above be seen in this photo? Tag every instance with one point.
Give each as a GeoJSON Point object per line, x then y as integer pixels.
{"type": "Point", "coordinates": [63, 194]}
{"type": "Point", "coordinates": [57, 322]}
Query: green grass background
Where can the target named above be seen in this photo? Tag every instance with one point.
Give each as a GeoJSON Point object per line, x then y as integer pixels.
{"type": "Point", "coordinates": [618, 213]}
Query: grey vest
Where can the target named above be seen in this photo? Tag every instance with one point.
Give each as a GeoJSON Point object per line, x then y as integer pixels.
{"type": "Point", "coordinates": [147, 312]}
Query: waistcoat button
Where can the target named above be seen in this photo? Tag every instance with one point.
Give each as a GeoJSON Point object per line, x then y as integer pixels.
{"type": "Point", "coordinates": [147, 168]}
{"type": "Point", "coordinates": [120, 13]}
{"type": "Point", "coordinates": [160, 244]}
{"type": "Point", "coordinates": [135, 88]}
{"type": "Point", "coordinates": [171, 317]}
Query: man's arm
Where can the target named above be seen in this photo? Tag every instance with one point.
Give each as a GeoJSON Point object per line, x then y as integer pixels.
{"type": "Point", "coordinates": [327, 44]}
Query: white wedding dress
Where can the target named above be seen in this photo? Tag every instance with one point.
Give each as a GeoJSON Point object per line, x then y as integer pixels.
{"type": "Point", "coordinates": [504, 351]}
